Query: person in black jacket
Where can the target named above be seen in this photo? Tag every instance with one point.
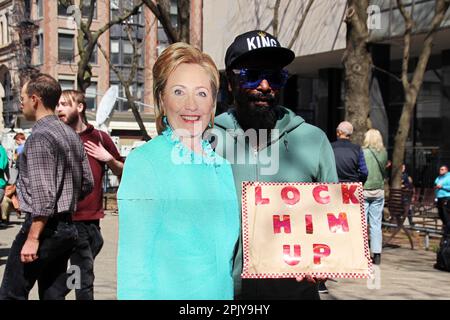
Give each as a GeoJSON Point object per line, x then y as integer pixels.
{"type": "Point", "coordinates": [350, 163]}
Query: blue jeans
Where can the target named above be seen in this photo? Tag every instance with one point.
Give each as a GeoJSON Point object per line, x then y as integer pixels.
{"type": "Point", "coordinates": [373, 207]}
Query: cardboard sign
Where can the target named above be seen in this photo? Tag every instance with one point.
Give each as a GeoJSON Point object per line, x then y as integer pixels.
{"type": "Point", "coordinates": [298, 229]}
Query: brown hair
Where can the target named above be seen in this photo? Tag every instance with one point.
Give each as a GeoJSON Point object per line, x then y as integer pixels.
{"type": "Point", "coordinates": [76, 97]}
{"type": "Point", "coordinates": [46, 87]}
{"type": "Point", "coordinates": [168, 61]}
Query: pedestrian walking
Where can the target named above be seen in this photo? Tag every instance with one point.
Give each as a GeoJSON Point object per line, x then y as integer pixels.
{"type": "Point", "coordinates": [54, 176]}
{"type": "Point", "coordinates": [376, 160]}
{"type": "Point", "coordinates": [4, 172]}
{"type": "Point", "coordinates": [350, 162]}
{"type": "Point", "coordinates": [101, 153]}
{"type": "Point", "coordinates": [442, 193]}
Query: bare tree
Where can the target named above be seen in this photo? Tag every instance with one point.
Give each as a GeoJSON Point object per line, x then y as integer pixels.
{"type": "Point", "coordinates": [276, 20]}
{"type": "Point", "coordinates": [87, 39]}
{"type": "Point", "coordinates": [357, 64]}
{"type": "Point", "coordinates": [412, 86]}
{"type": "Point", "coordinates": [300, 24]}
{"type": "Point", "coordinates": [161, 10]}
{"type": "Point", "coordinates": [126, 81]}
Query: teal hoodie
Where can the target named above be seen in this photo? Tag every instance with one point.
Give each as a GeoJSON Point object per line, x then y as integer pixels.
{"type": "Point", "coordinates": [444, 181]}
{"type": "Point", "coordinates": [3, 167]}
{"type": "Point", "coordinates": [297, 152]}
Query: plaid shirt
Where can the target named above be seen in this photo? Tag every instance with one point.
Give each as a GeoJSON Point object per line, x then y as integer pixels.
{"type": "Point", "coordinates": [54, 171]}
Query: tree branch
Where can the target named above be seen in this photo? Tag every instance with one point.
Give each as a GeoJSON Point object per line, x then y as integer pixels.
{"type": "Point", "coordinates": [440, 10]}
{"type": "Point", "coordinates": [127, 82]}
{"type": "Point", "coordinates": [183, 20]}
{"type": "Point", "coordinates": [283, 17]}
{"type": "Point", "coordinates": [276, 9]}
{"type": "Point", "coordinates": [66, 3]}
{"type": "Point", "coordinates": [136, 55]}
{"type": "Point", "coordinates": [91, 12]}
{"type": "Point", "coordinates": [164, 17]}
{"type": "Point", "coordinates": [300, 24]}
{"type": "Point", "coordinates": [117, 20]}
{"type": "Point", "coordinates": [407, 42]}
{"type": "Point", "coordinates": [111, 65]}
{"type": "Point", "coordinates": [411, 89]}
{"type": "Point", "coordinates": [386, 72]}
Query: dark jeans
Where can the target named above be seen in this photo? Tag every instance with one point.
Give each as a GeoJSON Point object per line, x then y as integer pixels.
{"type": "Point", "coordinates": [56, 243]}
{"type": "Point", "coordinates": [87, 247]}
{"type": "Point", "coordinates": [443, 205]}
{"type": "Point", "coordinates": [278, 289]}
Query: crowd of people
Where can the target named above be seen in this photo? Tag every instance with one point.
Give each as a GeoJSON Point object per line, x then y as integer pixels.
{"type": "Point", "coordinates": [179, 197]}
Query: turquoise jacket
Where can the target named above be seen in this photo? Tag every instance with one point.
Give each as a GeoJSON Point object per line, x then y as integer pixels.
{"type": "Point", "coordinates": [178, 223]}
{"type": "Point", "coordinates": [3, 167]}
{"type": "Point", "coordinates": [444, 181]}
{"type": "Point", "coordinates": [297, 152]}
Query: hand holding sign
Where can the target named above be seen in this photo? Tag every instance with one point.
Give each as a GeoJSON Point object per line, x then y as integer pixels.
{"type": "Point", "coordinates": [297, 230]}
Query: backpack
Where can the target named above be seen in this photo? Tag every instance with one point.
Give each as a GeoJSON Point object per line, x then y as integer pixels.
{"type": "Point", "coordinates": [443, 254]}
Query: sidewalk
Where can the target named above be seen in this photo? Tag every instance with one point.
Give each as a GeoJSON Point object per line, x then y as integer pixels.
{"type": "Point", "coordinates": [105, 263]}
{"type": "Point", "coordinates": [404, 273]}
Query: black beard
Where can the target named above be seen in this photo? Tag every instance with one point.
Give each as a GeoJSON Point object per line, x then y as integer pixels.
{"type": "Point", "coordinates": [71, 119]}
{"type": "Point", "coordinates": [254, 117]}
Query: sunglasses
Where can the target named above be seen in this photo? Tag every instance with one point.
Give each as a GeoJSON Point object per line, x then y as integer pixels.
{"type": "Point", "coordinates": [251, 78]}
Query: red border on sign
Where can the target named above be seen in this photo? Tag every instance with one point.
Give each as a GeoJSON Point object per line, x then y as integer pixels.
{"type": "Point", "coordinates": [245, 242]}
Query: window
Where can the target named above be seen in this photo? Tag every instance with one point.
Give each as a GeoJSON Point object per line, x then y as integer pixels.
{"type": "Point", "coordinates": [62, 10]}
{"type": "Point", "coordinates": [114, 4]}
{"type": "Point", "coordinates": [40, 48]}
{"type": "Point", "coordinates": [163, 41]}
{"type": "Point", "coordinates": [28, 44]}
{"type": "Point", "coordinates": [115, 52]}
{"type": "Point", "coordinates": [91, 96]}
{"type": "Point", "coordinates": [136, 89]}
{"type": "Point", "coordinates": [136, 18]}
{"type": "Point", "coordinates": [139, 91]}
{"type": "Point", "coordinates": [93, 57]}
{"type": "Point", "coordinates": [27, 9]}
{"type": "Point", "coordinates": [127, 52]}
{"type": "Point", "coordinates": [65, 48]}
{"type": "Point", "coordinates": [119, 7]}
{"type": "Point", "coordinates": [67, 84]}
{"type": "Point", "coordinates": [40, 9]}
{"type": "Point", "coordinates": [2, 42]}
{"type": "Point", "coordinates": [85, 8]}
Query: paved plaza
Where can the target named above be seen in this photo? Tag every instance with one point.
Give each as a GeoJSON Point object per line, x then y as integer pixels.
{"type": "Point", "coordinates": [403, 274]}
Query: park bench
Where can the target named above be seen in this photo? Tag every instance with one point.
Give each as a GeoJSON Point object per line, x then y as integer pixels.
{"type": "Point", "coordinates": [424, 214]}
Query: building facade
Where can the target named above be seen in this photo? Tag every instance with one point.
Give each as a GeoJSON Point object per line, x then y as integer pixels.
{"type": "Point", "coordinates": [316, 88]}
{"type": "Point", "coordinates": [52, 48]}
